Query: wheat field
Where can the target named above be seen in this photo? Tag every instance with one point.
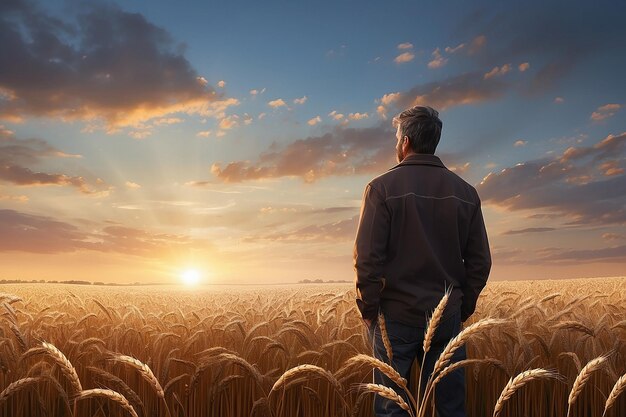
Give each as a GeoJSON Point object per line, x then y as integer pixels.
{"type": "Point", "coordinates": [535, 348]}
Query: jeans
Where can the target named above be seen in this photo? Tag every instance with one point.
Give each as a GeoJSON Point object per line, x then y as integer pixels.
{"type": "Point", "coordinates": [407, 345]}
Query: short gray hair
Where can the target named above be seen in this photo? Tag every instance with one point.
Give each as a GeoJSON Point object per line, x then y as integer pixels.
{"type": "Point", "coordinates": [423, 127]}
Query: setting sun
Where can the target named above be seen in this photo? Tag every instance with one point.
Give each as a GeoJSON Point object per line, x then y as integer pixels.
{"type": "Point", "coordinates": [190, 277]}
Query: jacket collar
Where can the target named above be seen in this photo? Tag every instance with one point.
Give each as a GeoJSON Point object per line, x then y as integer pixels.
{"type": "Point", "coordinates": [421, 159]}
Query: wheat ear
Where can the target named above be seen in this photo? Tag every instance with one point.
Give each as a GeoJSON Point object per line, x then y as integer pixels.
{"type": "Point", "coordinates": [385, 336]}
{"type": "Point", "coordinates": [144, 371]}
{"type": "Point", "coordinates": [520, 380]}
{"type": "Point", "coordinates": [388, 393]}
{"type": "Point", "coordinates": [306, 369]}
{"type": "Point", "coordinates": [111, 395]}
{"type": "Point", "coordinates": [433, 323]}
{"type": "Point", "coordinates": [460, 338]}
{"type": "Point", "coordinates": [582, 378]}
{"type": "Point", "coordinates": [66, 366]}
{"type": "Point", "coordinates": [618, 388]}
{"type": "Point", "coordinates": [17, 386]}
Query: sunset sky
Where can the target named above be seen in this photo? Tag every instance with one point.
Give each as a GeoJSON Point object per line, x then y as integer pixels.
{"type": "Point", "coordinates": [141, 139]}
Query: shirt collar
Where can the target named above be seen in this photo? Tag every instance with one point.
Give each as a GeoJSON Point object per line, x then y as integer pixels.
{"type": "Point", "coordinates": [421, 159]}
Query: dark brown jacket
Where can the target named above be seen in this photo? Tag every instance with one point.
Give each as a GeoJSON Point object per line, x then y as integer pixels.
{"type": "Point", "coordinates": [421, 230]}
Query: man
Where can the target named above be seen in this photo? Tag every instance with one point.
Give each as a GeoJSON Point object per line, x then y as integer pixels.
{"type": "Point", "coordinates": [421, 231]}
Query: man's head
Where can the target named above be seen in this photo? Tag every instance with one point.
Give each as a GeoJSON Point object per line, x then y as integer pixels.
{"type": "Point", "coordinates": [418, 131]}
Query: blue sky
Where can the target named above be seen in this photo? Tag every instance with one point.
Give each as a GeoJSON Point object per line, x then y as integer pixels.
{"type": "Point", "coordinates": [158, 136]}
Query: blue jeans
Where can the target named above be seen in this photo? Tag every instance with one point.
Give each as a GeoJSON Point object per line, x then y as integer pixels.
{"type": "Point", "coordinates": [407, 345]}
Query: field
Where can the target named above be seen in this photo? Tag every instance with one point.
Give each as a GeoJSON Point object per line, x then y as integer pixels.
{"type": "Point", "coordinates": [72, 350]}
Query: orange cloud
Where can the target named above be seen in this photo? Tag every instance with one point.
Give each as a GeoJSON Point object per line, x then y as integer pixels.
{"type": "Point", "coordinates": [404, 58]}
{"type": "Point", "coordinates": [604, 112]}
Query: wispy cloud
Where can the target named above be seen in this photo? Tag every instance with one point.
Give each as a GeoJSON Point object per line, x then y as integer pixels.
{"type": "Point", "coordinates": [300, 100]}
{"type": "Point", "coordinates": [16, 155]}
{"type": "Point", "coordinates": [438, 60]}
{"type": "Point", "coordinates": [604, 112]}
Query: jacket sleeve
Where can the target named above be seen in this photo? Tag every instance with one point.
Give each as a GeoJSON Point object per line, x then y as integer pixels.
{"type": "Point", "coordinates": [477, 261]}
{"type": "Point", "coordinates": [370, 252]}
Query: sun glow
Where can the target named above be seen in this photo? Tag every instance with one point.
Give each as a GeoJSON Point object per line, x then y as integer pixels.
{"type": "Point", "coordinates": [190, 277]}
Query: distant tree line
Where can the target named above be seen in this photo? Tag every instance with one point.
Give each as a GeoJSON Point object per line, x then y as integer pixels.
{"type": "Point", "coordinates": [71, 281]}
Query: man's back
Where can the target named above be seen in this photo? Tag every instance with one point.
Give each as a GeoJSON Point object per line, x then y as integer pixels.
{"type": "Point", "coordinates": [435, 238]}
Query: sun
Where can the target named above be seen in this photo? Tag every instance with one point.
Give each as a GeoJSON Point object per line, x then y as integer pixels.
{"type": "Point", "coordinates": [190, 277]}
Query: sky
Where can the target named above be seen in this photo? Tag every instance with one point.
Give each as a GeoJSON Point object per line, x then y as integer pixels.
{"type": "Point", "coordinates": [143, 139]}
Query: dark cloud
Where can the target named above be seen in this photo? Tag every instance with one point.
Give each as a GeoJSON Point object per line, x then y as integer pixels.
{"type": "Point", "coordinates": [467, 88]}
{"type": "Point", "coordinates": [340, 231]}
{"type": "Point", "coordinates": [529, 230]}
{"type": "Point", "coordinates": [610, 254]}
{"type": "Point", "coordinates": [574, 184]}
{"type": "Point", "coordinates": [553, 38]}
{"type": "Point", "coordinates": [102, 63]}
{"type": "Point", "coordinates": [42, 234]}
{"type": "Point", "coordinates": [15, 153]}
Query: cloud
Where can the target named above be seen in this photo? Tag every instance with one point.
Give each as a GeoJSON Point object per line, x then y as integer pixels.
{"type": "Point", "coordinates": [98, 64]}
{"type": "Point", "coordinates": [604, 112]}
{"type": "Point", "coordinates": [612, 236]}
{"type": "Point", "coordinates": [204, 134]}
{"type": "Point", "coordinates": [339, 231]}
{"type": "Point", "coordinates": [404, 58]}
{"type": "Point", "coordinates": [33, 233]}
{"type": "Point", "coordinates": [523, 66]}
{"type": "Point", "coordinates": [387, 99]}
{"type": "Point", "coordinates": [529, 230]}
{"type": "Point", "coordinates": [573, 185]}
{"type": "Point", "coordinates": [16, 154]}
{"type": "Point", "coordinates": [610, 254]}
{"type": "Point", "coordinates": [520, 143]}
{"type": "Point", "coordinates": [559, 100]}
{"type": "Point", "coordinates": [255, 92]}
{"type": "Point", "coordinates": [229, 122]}
{"type": "Point", "coordinates": [314, 121]}
{"type": "Point", "coordinates": [438, 60]}
{"type": "Point", "coordinates": [300, 100]}
{"type": "Point", "coordinates": [496, 72]}
{"type": "Point", "coordinates": [477, 44]}
{"type": "Point", "coordinates": [221, 84]}
{"type": "Point", "coordinates": [451, 50]}
{"type": "Point", "coordinates": [335, 115]}
{"type": "Point", "coordinates": [463, 89]}
{"type": "Point", "coordinates": [557, 39]}
{"type": "Point", "coordinates": [132, 185]}
{"type": "Point", "coordinates": [358, 116]}
{"type": "Point", "coordinates": [405, 45]}
{"type": "Point", "coordinates": [277, 103]}
{"type": "Point", "coordinates": [340, 152]}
